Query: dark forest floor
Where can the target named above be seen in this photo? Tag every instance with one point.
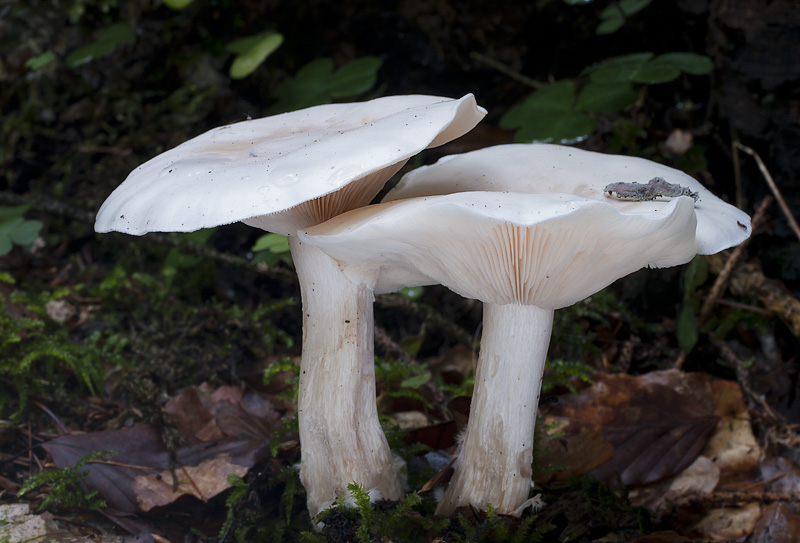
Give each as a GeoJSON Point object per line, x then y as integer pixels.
{"type": "Point", "coordinates": [179, 351]}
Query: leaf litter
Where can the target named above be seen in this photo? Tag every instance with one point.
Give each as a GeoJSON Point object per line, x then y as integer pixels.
{"type": "Point", "coordinates": [226, 432]}
{"type": "Point", "coordinates": [684, 446]}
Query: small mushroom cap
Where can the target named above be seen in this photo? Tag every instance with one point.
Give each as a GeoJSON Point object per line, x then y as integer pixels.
{"type": "Point", "coordinates": [542, 168]}
{"type": "Point", "coordinates": [271, 165]}
{"type": "Point", "coordinates": [547, 250]}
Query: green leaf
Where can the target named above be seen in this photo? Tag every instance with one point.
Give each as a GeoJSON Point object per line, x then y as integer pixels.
{"type": "Point", "coordinates": [198, 236]}
{"type": "Point", "coordinates": [308, 88]}
{"type": "Point", "coordinates": [26, 233]}
{"type": "Point", "coordinates": [605, 97]}
{"type": "Point", "coordinates": [37, 62]}
{"type": "Point", "coordinates": [12, 212]}
{"type": "Point", "coordinates": [691, 63]}
{"type": "Point", "coordinates": [627, 7]}
{"type": "Point", "coordinates": [556, 97]}
{"type": "Point", "coordinates": [251, 52]}
{"type": "Point", "coordinates": [609, 26]}
{"type": "Point", "coordinates": [558, 127]}
{"type": "Point", "coordinates": [653, 73]}
{"type": "Point", "coordinates": [9, 225]}
{"type": "Point", "coordinates": [615, 14]}
{"type": "Point", "coordinates": [621, 72]}
{"type": "Point", "coordinates": [687, 329]}
{"type": "Point", "coordinates": [319, 69]}
{"type": "Point", "coordinates": [106, 42]}
{"type": "Point", "coordinates": [117, 34]}
{"type": "Point", "coordinates": [547, 115]}
{"type": "Point", "coordinates": [354, 78]}
{"type": "Point", "coordinates": [274, 243]}
{"type": "Point", "coordinates": [177, 4]}
{"type": "Point", "coordinates": [5, 245]}
{"type": "Point", "coordinates": [416, 381]}
{"type": "Point", "coordinates": [696, 275]}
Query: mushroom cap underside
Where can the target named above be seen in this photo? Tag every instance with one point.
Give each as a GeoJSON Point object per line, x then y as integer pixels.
{"type": "Point", "coordinates": [270, 165]}
{"type": "Point", "coordinates": [547, 250]}
{"type": "Point", "coordinates": [545, 168]}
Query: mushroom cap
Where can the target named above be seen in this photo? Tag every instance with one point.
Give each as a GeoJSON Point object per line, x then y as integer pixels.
{"type": "Point", "coordinates": [547, 250]}
{"type": "Point", "coordinates": [543, 168]}
{"type": "Point", "coordinates": [271, 165]}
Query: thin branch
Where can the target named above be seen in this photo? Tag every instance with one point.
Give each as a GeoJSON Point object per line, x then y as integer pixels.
{"type": "Point", "coordinates": [505, 70]}
{"type": "Point", "coordinates": [773, 187]}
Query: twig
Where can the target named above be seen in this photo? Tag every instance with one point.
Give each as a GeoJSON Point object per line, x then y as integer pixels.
{"type": "Point", "coordinates": [773, 187]}
{"type": "Point", "coordinates": [739, 305]}
{"type": "Point", "coordinates": [732, 497]}
{"type": "Point", "coordinates": [505, 70]}
{"type": "Point", "coordinates": [200, 495]}
{"type": "Point", "coordinates": [61, 428]}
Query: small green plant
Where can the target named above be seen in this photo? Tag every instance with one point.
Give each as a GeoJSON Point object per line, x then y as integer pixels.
{"type": "Point", "coordinates": [694, 276]}
{"type": "Point", "coordinates": [106, 40]}
{"type": "Point", "coordinates": [251, 52]}
{"type": "Point", "coordinates": [64, 484]}
{"type": "Point", "coordinates": [564, 373]}
{"type": "Point", "coordinates": [403, 380]}
{"type": "Point", "coordinates": [15, 230]}
{"type": "Point", "coordinates": [614, 15]}
{"type": "Point", "coordinates": [271, 249]}
{"type": "Point", "coordinates": [247, 522]}
{"type": "Point", "coordinates": [563, 112]}
{"type": "Point", "coordinates": [318, 83]}
{"type": "Point", "coordinates": [36, 354]}
{"type": "Point", "coordinates": [369, 522]}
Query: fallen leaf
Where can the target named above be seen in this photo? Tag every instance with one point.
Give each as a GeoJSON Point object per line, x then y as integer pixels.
{"type": "Point", "coordinates": [779, 523]}
{"type": "Point", "coordinates": [734, 448]}
{"type": "Point", "coordinates": [580, 454]}
{"type": "Point", "coordinates": [701, 477]}
{"type": "Point", "coordinates": [727, 523]}
{"type": "Point", "coordinates": [19, 526]}
{"type": "Point", "coordinates": [780, 475]}
{"type": "Point", "coordinates": [655, 430]}
{"type": "Point", "coordinates": [663, 537]}
{"type": "Point", "coordinates": [138, 476]}
{"type": "Point", "coordinates": [203, 481]}
{"type": "Point", "coordinates": [201, 414]}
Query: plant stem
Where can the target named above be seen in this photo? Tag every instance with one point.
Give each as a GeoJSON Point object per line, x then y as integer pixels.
{"type": "Point", "coordinates": [340, 436]}
{"type": "Point", "coordinates": [494, 464]}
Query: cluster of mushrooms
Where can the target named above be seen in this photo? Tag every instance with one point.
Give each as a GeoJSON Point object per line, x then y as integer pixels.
{"type": "Point", "coordinates": [524, 228]}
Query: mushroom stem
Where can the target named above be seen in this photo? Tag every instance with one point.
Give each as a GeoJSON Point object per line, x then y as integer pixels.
{"type": "Point", "coordinates": [340, 436]}
{"type": "Point", "coordinates": [494, 464]}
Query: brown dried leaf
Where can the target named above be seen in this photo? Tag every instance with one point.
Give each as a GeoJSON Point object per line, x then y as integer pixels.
{"type": "Point", "coordinates": [203, 415]}
{"type": "Point", "coordinates": [701, 477]}
{"type": "Point", "coordinates": [727, 523]}
{"type": "Point", "coordinates": [191, 418]}
{"type": "Point", "coordinates": [138, 476]}
{"type": "Point", "coordinates": [656, 430]}
{"type": "Point", "coordinates": [663, 537]}
{"type": "Point", "coordinates": [779, 523]}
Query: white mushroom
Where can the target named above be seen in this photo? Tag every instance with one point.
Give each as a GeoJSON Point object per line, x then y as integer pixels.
{"type": "Point", "coordinates": [287, 172]}
{"type": "Point", "coordinates": [523, 255]}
